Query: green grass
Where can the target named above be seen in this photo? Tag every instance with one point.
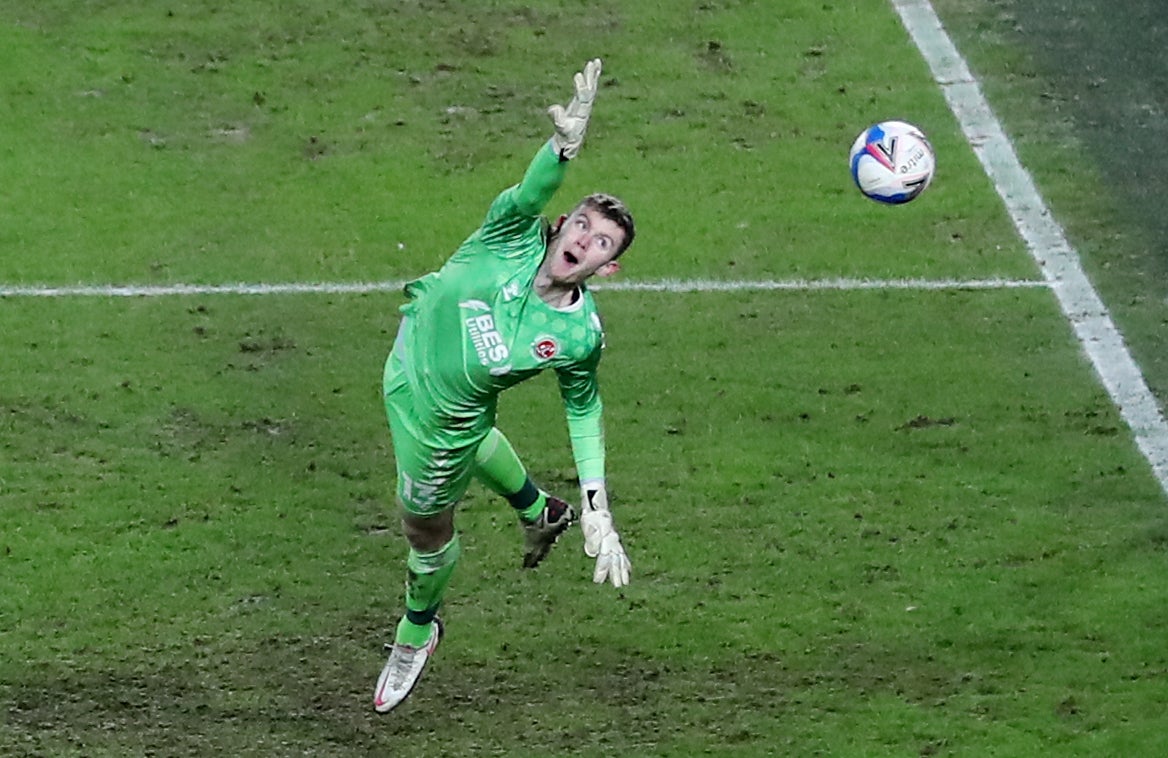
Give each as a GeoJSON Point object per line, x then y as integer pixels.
{"type": "Point", "coordinates": [862, 523]}
{"type": "Point", "coordinates": [1076, 95]}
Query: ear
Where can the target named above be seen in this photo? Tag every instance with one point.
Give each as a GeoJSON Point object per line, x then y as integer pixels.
{"type": "Point", "coordinates": [559, 224]}
{"type": "Point", "coordinates": [608, 269]}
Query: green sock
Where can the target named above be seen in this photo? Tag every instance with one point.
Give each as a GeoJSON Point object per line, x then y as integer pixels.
{"type": "Point", "coordinates": [531, 512]}
{"type": "Point", "coordinates": [426, 580]}
{"type": "Point", "coordinates": [409, 633]}
{"type": "Point", "coordinates": [498, 466]}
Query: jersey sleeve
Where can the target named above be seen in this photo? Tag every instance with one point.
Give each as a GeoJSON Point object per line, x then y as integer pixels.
{"type": "Point", "coordinates": [518, 209]}
{"type": "Point", "coordinates": [581, 394]}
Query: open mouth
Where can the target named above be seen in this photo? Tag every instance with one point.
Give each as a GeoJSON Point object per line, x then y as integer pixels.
{"type": "Point", "coordinates": [571, 259]}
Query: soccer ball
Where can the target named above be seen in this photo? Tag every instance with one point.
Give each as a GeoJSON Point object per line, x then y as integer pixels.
{"type": "Point", "coordinates": [892, 162]}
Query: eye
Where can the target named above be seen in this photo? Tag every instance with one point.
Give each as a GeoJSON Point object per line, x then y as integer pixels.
{"type": "Point", "coordinates": [604, 242]}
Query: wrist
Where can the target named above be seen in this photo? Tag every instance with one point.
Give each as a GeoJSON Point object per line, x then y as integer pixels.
{"type": "Point", "coordinates": [557, 147]}
{"type": "Point", "coordinates": [593, 495]}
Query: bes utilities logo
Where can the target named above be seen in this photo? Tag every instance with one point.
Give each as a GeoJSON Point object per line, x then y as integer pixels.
{"type": "Point", "coordinates": [486, 339]}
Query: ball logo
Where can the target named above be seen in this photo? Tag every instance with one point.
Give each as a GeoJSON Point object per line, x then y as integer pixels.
{"type": "Point", "coordinates": [545, 348]}
{"type": "Point", "coordinates": [892, 162]}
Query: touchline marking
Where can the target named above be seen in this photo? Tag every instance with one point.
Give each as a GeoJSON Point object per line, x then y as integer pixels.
{"type": "Point", "coordinates": [666, 285]}
{"type": "Point", "coordinates": [1043, 235]}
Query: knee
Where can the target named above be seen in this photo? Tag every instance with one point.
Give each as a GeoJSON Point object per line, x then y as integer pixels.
{"type": "Point", "coordinates": [428, 534]}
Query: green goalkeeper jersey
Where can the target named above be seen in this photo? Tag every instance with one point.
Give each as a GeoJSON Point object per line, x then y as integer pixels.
{"type": "Point", "coordinates": [477, 327]}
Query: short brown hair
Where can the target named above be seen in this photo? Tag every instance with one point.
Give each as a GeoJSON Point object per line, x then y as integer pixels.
{"type": "Point", "coordinates": [613, 209]}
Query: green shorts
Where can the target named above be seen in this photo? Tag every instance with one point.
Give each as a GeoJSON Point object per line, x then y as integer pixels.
{"type": "Point", "coordinates": [433, 471]}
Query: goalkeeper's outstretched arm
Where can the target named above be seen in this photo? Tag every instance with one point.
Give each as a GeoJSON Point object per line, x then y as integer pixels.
{"type": "Point", "coordinates": [543, 177]}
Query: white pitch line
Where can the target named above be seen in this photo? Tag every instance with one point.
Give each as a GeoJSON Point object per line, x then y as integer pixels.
{"type": "Point", "coordinates": [1044, 237]}
{"type": "Point", "coordinates": [172, 290]}
{"type": "Point", "coordinates": [666, 285]}
{"type": "Point", "coordinates": [838, 284]}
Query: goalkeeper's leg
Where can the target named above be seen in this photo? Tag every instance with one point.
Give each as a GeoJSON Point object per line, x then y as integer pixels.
{"type": "Point", "coordinates": [428, 486]}
{"type": "Point", "coordinates": [420, 629]}
{"type": "Point", "coordinates": [544, 518]}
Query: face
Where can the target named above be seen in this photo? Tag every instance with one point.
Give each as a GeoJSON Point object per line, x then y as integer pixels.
{"type": "Point", "coordinates": [584, 246]}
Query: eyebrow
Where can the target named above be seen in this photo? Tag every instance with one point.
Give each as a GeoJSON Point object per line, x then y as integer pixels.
{"type": "Point", "coordinates": [584, 215]}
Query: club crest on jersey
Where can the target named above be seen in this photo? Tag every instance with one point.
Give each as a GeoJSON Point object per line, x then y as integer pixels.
{"type": "Point", "coordinates": [545, 348]}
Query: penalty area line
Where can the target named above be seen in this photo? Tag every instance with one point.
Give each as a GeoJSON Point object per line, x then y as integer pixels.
{"type": "Point", "coordinates": [1044, 237]}
{"type": "Point", "coordinates": [679, 286]}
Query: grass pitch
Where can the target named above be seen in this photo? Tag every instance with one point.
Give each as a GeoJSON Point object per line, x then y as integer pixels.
{"type": "Point", "coordinates": [862, 523]}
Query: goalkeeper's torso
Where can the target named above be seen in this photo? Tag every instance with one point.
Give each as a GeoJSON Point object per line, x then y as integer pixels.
{"type": "Point", "coordinates": [477, 327]}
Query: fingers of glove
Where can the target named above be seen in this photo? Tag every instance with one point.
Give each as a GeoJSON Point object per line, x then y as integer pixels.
{"type": "Point", "coordinates": [612, 564]}
{"type": "Point", "coordinates": [619, 573]}
{"type": "Point", "coordinates": [613, 567]}
{"type": "Point", "coordinates": [596, 526]}
{"type": "Point", "coordinates": [586, 84]}
{"type": "Point", "coordinates": [606, 569]}
{"type": "Point", "coordinates": [589, 80]}
{"type": "Point", "coordinates": [559, 116]}
{"type": "Point", "coordinates": [601, 572]}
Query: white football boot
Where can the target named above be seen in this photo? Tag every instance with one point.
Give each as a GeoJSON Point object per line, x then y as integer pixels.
{"type": "Point", "coordinates": [403, 669]}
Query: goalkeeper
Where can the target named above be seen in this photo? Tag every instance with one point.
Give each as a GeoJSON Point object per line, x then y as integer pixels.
{"type": "Point", "coordinates": [511, 302]}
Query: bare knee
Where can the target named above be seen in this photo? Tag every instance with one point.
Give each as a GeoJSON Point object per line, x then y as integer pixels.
{"type": "Point", "coordinates": [427, 534]}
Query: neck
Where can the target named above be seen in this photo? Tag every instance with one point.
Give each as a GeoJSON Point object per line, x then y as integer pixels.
{"type": "Point", "coordinates": [555, 295]}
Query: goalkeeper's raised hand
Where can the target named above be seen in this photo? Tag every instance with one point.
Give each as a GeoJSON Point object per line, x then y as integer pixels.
{"type": "Point", "coordinates": [572, 121]}
{"type": "Point", "coordinates": [601, 540]}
